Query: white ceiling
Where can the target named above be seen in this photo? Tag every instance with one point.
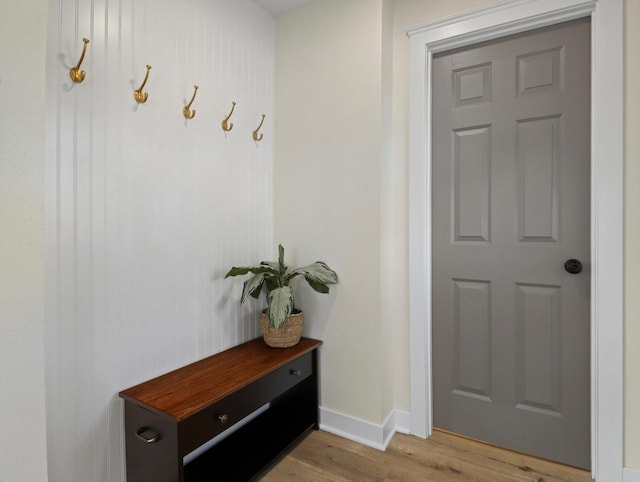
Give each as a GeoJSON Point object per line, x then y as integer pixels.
{"type": "Point", "coordinates": [276, 7]}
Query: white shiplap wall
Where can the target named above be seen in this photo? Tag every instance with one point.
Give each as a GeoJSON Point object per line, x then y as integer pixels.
{"type": "Point", "coordinates": [146, 211]}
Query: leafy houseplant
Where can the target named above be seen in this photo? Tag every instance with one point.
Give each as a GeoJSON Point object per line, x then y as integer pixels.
{"type": "Point", "coordinates": [275, 277]}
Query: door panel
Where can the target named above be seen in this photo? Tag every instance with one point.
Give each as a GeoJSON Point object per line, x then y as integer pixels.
{"type": "Point", "coordinates": [473, 342]}
{"type": "Point", "coordinates": [538, 175]}
{"type": "Point", "coordinates": [471, 184]}
{"type": "Point", "coordinates": [510, 205]}
{"type": "Point", "coordinates": [538, 319]}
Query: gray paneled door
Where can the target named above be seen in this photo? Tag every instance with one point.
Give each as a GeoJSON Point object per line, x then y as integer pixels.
{"type": "Point", "coordinates": [511, 205]}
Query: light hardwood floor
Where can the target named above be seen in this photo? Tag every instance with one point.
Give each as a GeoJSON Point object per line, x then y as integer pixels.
{"type": "Point", "coordinates": [443, 457]}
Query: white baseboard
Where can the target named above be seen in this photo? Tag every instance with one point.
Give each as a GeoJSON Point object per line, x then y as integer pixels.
{"type": "Point", "coordinates": [403, 421]}
{"type": "Point", "coordinates": [630, 475]}
{"type": "Point", "coordinates": [361, 431]}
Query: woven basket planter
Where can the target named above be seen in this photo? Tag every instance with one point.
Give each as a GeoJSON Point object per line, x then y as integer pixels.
{"type": "Point", "coordinates": [287, 335]}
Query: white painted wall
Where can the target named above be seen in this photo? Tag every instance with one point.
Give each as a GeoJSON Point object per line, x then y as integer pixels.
{"type": "Point", "coordinates": [23, 456]}
{"type": "Point", "coordinates": [391, 298]}
{"type": "Point", "coordinates": [327, 187]}
{"type": "Point", "coordinates": [146, 211]}
{"type": "Point", "coordinates": [632, 238]}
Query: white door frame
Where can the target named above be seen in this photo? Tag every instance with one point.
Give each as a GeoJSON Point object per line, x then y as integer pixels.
{"type": "Point", "coordinates": [500, 19]}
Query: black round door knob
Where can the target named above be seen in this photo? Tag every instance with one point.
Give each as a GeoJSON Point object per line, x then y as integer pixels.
{"type": "Point", "coordinates": [573, 266]}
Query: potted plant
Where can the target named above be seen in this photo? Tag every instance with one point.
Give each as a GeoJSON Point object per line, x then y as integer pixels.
{"type": "Point", "coordinates": [281, 322]}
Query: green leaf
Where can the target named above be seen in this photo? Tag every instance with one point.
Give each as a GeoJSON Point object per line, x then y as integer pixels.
{"type": "Point", "coordinates": [252, 287]}
{"type": "Point", "coordinates": [279, 305]}
{"type": "Point", "coordinates": [237, 271]}
{"type": "Point", "coordinates": [317, 272]}
{"type": "Point", "coordinates": [282, 269]}
{"type": "Point", "coordinates": [280, 255]}
{"type": "Point", "coordinates": [319, 287]}
{"type": "Point", "coordinates": [256, 293]}
{"type": "Point", "coordinates": [241, 270]}
{"type": "Point", "coordinates": [271, 284]}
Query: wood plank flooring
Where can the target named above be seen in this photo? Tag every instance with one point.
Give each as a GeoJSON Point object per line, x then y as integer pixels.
{"type": "Point", "coordinates": [443, 457]}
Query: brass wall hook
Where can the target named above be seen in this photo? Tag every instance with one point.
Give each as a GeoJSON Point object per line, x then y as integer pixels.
{"type": "Point", "coordinates": [257, 137]}
{"type": "Point", "coordinates": [226, 125]}
{"type": "Point", "coordinates": [186, 111]}
{"type": "Point", "coordinates": [75, 73]}
{"type": "Point", "coordinates": [138, 95]}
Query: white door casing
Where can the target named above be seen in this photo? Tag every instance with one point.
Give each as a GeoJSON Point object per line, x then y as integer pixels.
{"type": "Point", "coordinates": [498, 20]}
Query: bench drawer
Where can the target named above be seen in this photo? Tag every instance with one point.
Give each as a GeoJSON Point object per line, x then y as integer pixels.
{"type": "Point", "coordinates": [216, 418]}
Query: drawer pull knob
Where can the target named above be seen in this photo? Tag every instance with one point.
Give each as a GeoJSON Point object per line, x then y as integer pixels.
{"type": "Point", "coordinates": [223, 417]}
{"type": "Point", "coordinates": [294, 372]}
{"type": "Point", "coordinates": [147, 435]}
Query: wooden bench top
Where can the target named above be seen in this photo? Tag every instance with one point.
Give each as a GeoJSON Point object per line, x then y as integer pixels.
{"type": "Point", "coordinates": [187, 390]}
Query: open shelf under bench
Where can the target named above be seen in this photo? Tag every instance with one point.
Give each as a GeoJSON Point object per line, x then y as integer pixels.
{"type": "Point", "coordinates": [170, 416]}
